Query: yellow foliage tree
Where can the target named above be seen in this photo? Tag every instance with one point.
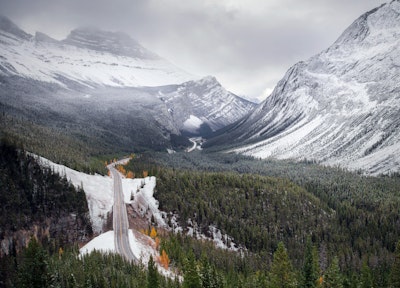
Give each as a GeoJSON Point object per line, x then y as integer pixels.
{"type": "Point", "coordinates": [130, 175]}
{"type": "Point", "coordinates": [164, 259]}
{"type": "Point", "coordinates": [157, 243]}
{"type": "Point", "coordinates": [320, 281]}
{"type": "Point", "coordinates": [145, 173]}
{"type": "Point", "coordinates": [153, 233]}
{"type": "Point", "coordinates": [60, 252]}
{"type": "Point", "coordinates": [121, 169]}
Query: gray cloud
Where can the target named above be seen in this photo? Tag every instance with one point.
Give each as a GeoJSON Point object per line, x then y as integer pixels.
{"type": "Point", "coordinates": [248, 45]}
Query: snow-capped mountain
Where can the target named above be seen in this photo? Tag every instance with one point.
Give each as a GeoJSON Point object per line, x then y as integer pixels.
{"type": "Point", "coordinates": [340, 107]}
{"type": "Point", "coordinates": [87, 56]}
{"type": "Point", "coordinates": [93, 72]}
{"type": "Point", "coordinates": [206, 97]}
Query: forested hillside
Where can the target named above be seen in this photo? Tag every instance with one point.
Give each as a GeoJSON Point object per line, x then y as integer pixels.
{"type": "Point", "coordinates": [349, 218]}
{"type": "Point", "coordinates": [37, 202]}
{"type": "Point", "coordinates": [297, 225]}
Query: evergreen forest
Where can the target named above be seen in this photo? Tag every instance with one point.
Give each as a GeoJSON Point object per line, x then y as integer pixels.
{"type": "Point", "coordinates": [292, 224]}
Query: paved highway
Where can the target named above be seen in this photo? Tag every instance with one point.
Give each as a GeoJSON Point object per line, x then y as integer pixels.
{"type": "Point", "coordinates": [120, 219]}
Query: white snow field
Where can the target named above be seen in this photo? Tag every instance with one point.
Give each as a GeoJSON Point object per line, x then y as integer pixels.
{"type": "Point", "coordinates": [48, 61]}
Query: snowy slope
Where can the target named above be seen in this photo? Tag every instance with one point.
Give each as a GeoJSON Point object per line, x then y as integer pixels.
{"type": "Point", "coordinates": [340, 107]}
{"type": "Point", "coordinates": [87, 56]}
{"type": "Point", "coordinates": [203, 102]}
{"type": "Point", "coordinates": [106, 72]}
{"type": "Point", "coordinates": [98, 190]}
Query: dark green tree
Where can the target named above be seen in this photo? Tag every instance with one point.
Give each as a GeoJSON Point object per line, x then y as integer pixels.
{"type": "Point", "coordinates": [366, 280]}
{"type": "Point", "coordinates": [333, 277]}
{"type": "Point", "coordinates": [310, 271]}
{"type": "Point", "coordinates": [152, 274]}
{"type": "Point", "coordinates": [191, 277]}
{"type": "Point", "coordinates": [281, 274]}
{"type": "Point", "coordinates": [206, 274]}
{"type": "Point", "coordinates": [209, 276]}
{"type": "Point", "coordinates": [395, 271]}
{"type": "Point", "coordinates": [33, 266]}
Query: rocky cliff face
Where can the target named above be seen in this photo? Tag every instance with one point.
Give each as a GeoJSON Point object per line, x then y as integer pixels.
{"type": "Point", "coordinates": [340, 107]}
{"type": "Point", "coordinates": [203, 102]}
{"type": "Point", "coordinates": [115, 43]}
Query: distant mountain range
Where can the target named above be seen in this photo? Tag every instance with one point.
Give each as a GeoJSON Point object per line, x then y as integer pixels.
{"type": "Point", "coordinates": [105, 83]}
{"type": "Point", "coordinates": [340, 107]}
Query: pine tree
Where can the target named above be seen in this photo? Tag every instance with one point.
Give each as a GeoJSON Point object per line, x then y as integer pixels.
{"type": "Point", "coordinates": [191, 278]}
{"type": "Point", "coordinates": [206, 274]}
{"type": "Point", "coordinates": [395, 272]}
{"type": "Point", "coordinates": [366, 280]}
{"type": "Point", "coordinates": [33, 266]}
{"type": "Point", "coordinates": [152, 274]}
{"type": "Point", "coordinates": [310, 272]}
{"type": "Point", "coordinates": [333, 278]}
{"type": "Point", "coordinates": [282, 275]}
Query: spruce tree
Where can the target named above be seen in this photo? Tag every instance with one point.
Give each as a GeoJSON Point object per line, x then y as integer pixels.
{"type": "Point", "coordinates": [333, 278]}
{"type": "Point", "coordinates": [191, 278]}
{"type": "Point", "coordinates": [366, 280]}
{"type": "Point", "coordinates": [310, 271]}
{"type": "Point", "coordinates": [206, 274]}
{"type": "Point", "coordinates": [395, 272]}
{"type": "Point", "coordinates": [33, 266]}
{"type": "Point", "coordinates": [152, 274]}
{"type": "Point", "coordinates": [282, 275]}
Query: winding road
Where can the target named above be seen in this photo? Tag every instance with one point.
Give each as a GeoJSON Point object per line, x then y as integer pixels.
{"type": "Point", "coordinates": [120, 219]}
{"type": "Point", "coordinates": [195, 141]}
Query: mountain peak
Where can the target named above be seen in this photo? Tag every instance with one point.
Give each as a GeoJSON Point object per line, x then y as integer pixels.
{"type": "Point", "coordinates": [386, 16]}
{"type": "Point", "coordinates": [340, 107]}
{"type": "Point", "coordinates": [116, 43]}
{"type": "Point", "coordinates": [8, 26]}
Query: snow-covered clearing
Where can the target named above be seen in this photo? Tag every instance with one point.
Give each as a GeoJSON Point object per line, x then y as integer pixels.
{"type": "Point", "coordinates": [142, 247]}
{"type": "Point", "coordinates": [104, 243]}
{"type": "Point", "coordinates": [98, 190]}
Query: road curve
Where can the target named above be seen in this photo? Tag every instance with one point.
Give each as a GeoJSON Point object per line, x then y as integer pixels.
{"type": "Point", "coordinates": [120, 219]}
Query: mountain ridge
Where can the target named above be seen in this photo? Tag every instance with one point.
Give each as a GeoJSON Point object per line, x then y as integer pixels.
{"type": "Point", "coordinates": [95, 81]}
{"type": "Point", "coordinates": [117, 43]}
{"type": "Point", "coordinates": [339, 107]}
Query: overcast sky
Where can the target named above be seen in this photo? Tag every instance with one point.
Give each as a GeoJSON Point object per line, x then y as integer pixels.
{"type": "Point", "coordinates": [248, 45]}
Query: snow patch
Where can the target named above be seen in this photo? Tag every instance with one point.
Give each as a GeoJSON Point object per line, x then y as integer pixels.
{"type": "Point", "coordinates": [104, 243]}
{"type": "Point", "coordinates": [144, 201]}
{"type": "Point", "coordinates": [220, 240]}
{"type": "Point", "coordinates": [142, 247]}
{"type": "Point", "coordinates": [98, 190]}
{"type": "Point", "coordinates": [192, 124]}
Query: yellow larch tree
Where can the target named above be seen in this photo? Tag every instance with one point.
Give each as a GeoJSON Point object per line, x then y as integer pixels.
{"type": "Point", "coordinates": [153, 233]}
{"type": "Point", "coordinates": [164, 259]}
